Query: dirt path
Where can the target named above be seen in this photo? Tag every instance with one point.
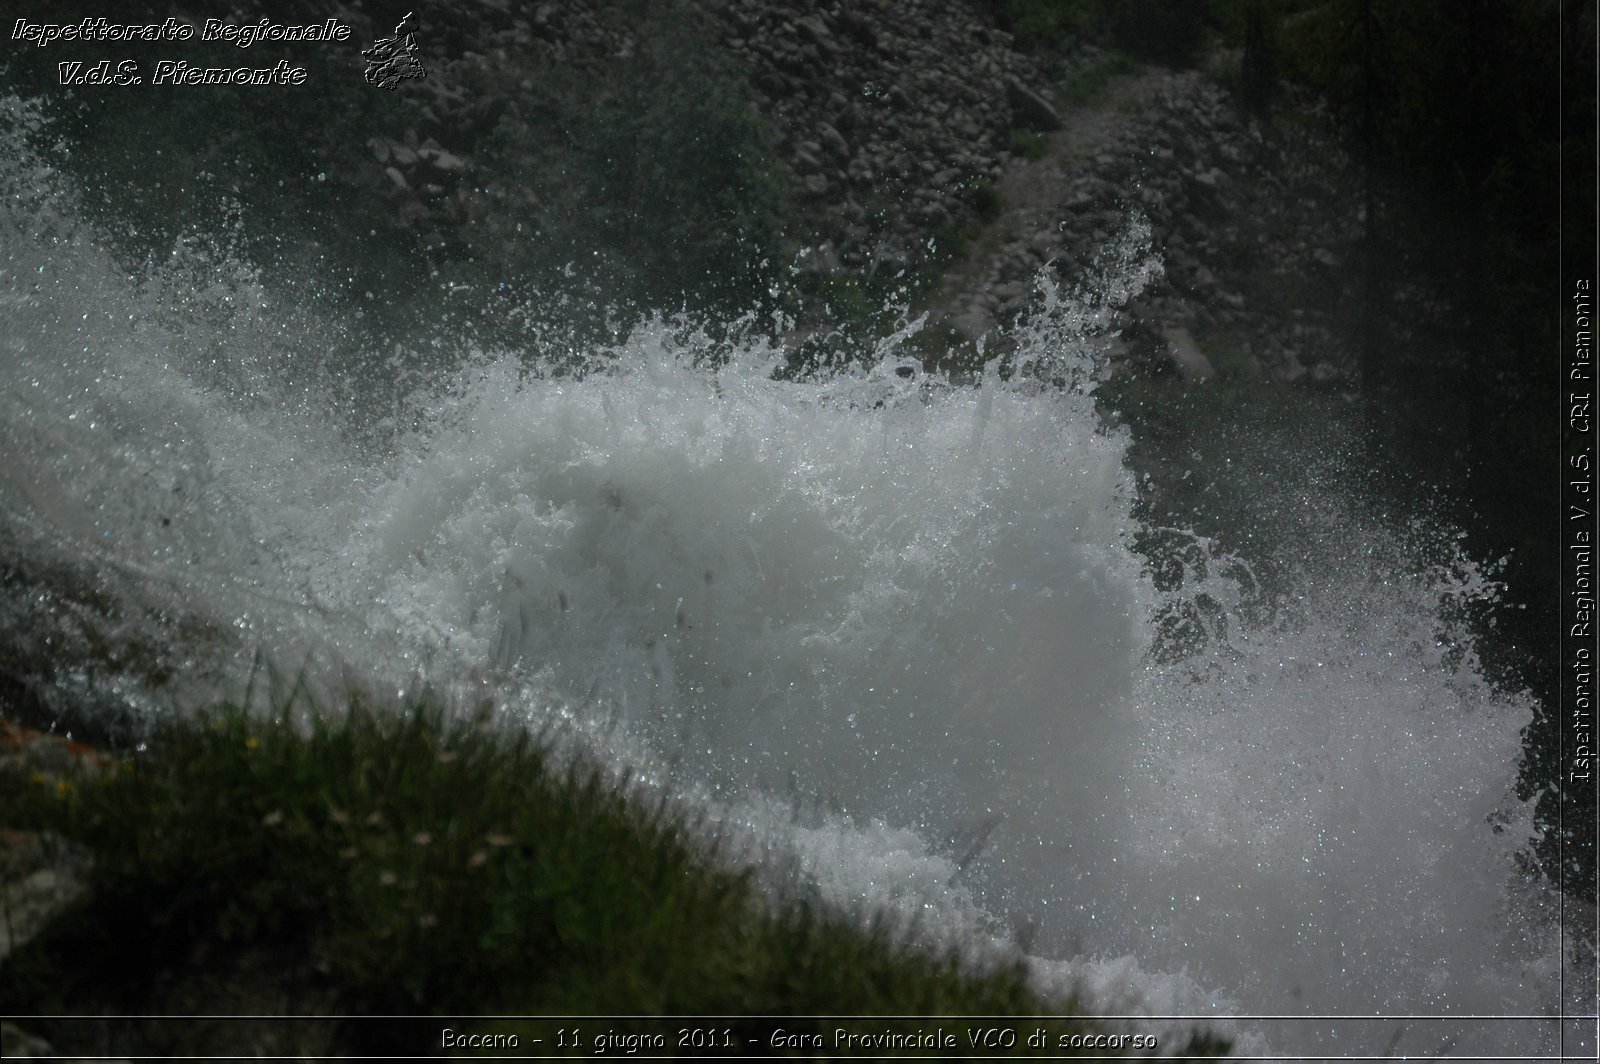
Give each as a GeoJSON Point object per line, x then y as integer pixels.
{"type": "Point", "coordinates": [1031, 196]}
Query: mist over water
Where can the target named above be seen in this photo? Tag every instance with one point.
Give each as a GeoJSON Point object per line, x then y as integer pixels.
{"type": "Point", "coordinates": [893, 627]}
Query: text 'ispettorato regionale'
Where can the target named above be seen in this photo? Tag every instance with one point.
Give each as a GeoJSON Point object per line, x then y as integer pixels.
{"type": "Point", "coordinates": [177, 72]}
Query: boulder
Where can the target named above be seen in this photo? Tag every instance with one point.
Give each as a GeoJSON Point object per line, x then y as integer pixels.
{"type": "Point", "coordinates": [1028, 109]}
{"type": "Point", "coordinates": [40, 875]}
{"type": "Point", "coordinates": [833, 141]}
{"type": "Point", "coordinates": [1186, 355]}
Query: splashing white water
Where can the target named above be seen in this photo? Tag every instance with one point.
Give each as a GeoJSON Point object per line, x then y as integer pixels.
{"type": "Point", "coordinates": [910, 603]}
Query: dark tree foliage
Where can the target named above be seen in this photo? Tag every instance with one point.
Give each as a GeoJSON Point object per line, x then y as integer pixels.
{"type": "Point", "coordinates": [1165, 31]}
{"type": "Point", "coordinates": [1452, 105]}
{"type": "Point", "coordinates": [1258, 71]}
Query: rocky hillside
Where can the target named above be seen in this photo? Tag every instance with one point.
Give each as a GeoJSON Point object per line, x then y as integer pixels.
{"type": "Point", "coordinates": [820, 154]}
{"type": "Point", "coordinates": [920, 141]}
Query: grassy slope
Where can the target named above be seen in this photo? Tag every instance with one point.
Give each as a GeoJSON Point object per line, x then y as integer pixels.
{"type": "Point", "coordinates": [394, 860]}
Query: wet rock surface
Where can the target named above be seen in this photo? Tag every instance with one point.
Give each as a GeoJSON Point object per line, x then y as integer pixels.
{"type": "Point", "coordinates": [41, 874]}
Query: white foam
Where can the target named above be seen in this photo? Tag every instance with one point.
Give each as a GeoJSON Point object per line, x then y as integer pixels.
{"type": "Point", "coordinates": [911, 603]}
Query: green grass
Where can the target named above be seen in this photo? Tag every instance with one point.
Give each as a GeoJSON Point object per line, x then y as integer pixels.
{"type": "Point", "coordinates": [984, 197]}
{"type": "Point", "coordinates": [409, 860]}
{"type": "Point", "coordinates": [1086, 84]}
{"type": "Point", "coordinates": [1028, 144]}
